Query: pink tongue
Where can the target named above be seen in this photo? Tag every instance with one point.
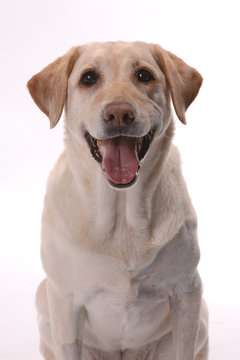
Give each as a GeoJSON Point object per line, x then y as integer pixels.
{"type": "Point", "coordinates": [119, 159]}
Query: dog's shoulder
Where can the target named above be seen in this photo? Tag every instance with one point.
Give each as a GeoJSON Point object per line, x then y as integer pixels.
{"type": "Point", "coordinates": [174, 265]}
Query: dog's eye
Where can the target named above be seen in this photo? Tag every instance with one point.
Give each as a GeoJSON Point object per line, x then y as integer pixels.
{"type": "Point", "coordinates": [143, 75]}
{"type": "Point", "coordinates": [89, 78]}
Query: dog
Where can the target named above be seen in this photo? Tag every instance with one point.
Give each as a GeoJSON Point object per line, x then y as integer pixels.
{"type": "Point", "coordinates": [119, 232]}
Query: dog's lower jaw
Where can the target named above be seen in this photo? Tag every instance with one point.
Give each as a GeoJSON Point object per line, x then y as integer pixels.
{"type": "Point", "coordinates": [122, 186]}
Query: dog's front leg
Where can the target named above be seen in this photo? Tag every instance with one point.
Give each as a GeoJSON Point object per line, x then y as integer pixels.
{"type": "Point", "coordinates": [66, 324]}
{"type": "Point", "coordinates": [185, 312]}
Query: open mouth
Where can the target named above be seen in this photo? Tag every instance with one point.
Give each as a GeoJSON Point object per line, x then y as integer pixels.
{"type": "Point", "coordinates": [120, 157]}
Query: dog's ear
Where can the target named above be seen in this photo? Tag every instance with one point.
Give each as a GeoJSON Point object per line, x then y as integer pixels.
{"type": "Point", "coordinates": [183, 80]}
{"type": "Point", "coordinates": [48, 88]}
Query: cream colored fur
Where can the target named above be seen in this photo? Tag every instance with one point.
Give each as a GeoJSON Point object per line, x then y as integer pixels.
{"type": "Point", "coordinates": [101, 245]}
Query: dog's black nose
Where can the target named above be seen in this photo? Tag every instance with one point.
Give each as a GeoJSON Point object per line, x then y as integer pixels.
{"type": "Point", "coordinates": [119, 114]}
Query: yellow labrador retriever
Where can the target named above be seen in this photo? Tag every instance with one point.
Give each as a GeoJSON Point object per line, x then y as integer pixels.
{"type": "Point", "coordinates": [119, 232]}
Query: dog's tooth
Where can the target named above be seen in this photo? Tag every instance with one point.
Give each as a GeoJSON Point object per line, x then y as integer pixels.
{"type": "Point", "coordinates": [99, 144]}
{"type": "Point", "coordinates": [139, 145]}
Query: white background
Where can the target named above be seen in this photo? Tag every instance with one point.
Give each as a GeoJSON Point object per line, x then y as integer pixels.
{"type": "Point", "coordinates": [206, 35]}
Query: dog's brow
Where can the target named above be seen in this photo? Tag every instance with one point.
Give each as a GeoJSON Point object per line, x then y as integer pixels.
{"type": "Point", "coordinates": [135, 64]}
{"type": "Point", "coordinates": [95, 61]}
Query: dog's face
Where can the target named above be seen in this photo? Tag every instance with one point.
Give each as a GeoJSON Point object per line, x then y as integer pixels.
{"type": "Point", "coordinates": [117, 99]}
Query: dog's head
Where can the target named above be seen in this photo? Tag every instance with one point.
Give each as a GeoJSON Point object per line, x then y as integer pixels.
{"type": "Point", "coordinates": [117, 97]}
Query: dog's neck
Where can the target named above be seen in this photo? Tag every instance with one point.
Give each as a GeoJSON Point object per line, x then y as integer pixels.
{"type": "Point", "coordinates": [130, 208]}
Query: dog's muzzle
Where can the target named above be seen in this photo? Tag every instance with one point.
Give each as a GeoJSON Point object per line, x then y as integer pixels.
{"type": "Point", "coordinates": [120, 156]}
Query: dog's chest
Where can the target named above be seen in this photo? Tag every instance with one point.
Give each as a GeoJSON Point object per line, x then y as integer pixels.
{"type": "Point", "coordinates": [123, 315]}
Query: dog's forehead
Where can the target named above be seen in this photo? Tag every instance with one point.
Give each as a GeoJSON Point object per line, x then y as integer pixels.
{"type": "Point", "coordinates": [118, 53]}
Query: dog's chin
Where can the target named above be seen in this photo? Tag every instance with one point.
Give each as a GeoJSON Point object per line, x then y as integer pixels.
{"type": "Point", "coordinates": [120, 157]}
{"type": "Point", "coordinates": [122, 186]}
